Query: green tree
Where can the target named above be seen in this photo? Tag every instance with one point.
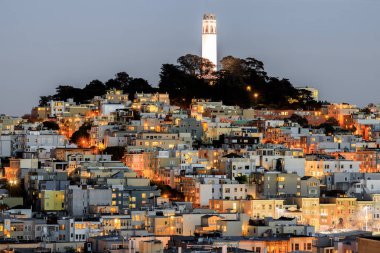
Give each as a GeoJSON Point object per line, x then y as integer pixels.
{"type": "Point", "coordinates": [3, 207]}
{"type": "Point", "coordinates": [113, 84]}
{"type": "Point", "coordinates": [94, 88]}
{"type": "Point", "coordinates": [195, 65]}
{"type": "Point", "coordinates": [44, 100]}
{"type": "Point", "coordinates": [299, 119]}
{"type": "Point", "coordinates": [81, 134]}
{"type": "Point", "coordinates": [117, 152]}
{"type": "Point", "coordinates": [64, 92]}
{"type": "Point", "coordinates": [123, 78]}
{"type": "Point", "coordinates": [329, 128]}
{"type": "Point", "coordinates": [138, 85]}
{"type": "Point", "coordinates": [332, 121]}
{"type": "Point", "coordinates": [16, 189]}
{"type": "Point", "coordinates": [169, 192]}
{"type": "Point", "coordinates": [233, 65]}
{"type": "Point", "coordinates": [242, 179]}
{"type": "Point", "coordinates": [181, 86]}
{"type": "Point", "coordinates": [50, 125]}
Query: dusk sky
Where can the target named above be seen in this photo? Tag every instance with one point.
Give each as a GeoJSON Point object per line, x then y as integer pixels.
{"type": "Point", "coordinates": [333, 45]}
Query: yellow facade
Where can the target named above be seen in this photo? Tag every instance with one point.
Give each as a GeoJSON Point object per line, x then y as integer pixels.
{"type": "Point", "coordinates": [310, 211]}
{"type": "Point", "coordinates": [256, 208]}
{"type": "Point", "coordinates": [52, 200]}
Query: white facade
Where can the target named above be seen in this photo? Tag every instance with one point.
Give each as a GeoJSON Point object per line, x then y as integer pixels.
{"type": "Point", "coordinates": [371, 186]}
{"type": "Point", "coordinates": [318, 168]}
{"type": "Point", "coordinates": [213, 189]}
{"type": "Point", "coordinates": [209, 43]}
{"type": "Point", "coordinates": [45, 139]}
{"type": "Point", "coordinates": [274, 123]}
{"type": "Point", "coordinates": [107, 109]}
{"type": "Point", "coordinates": [294, 165]}
{"type": "Point", "coordinates": [78, 199]}
{"type": "Point", "coordinates": [58, 108]}
{"type": "Point", "coordinates": [240, 167]}
{"type": "Point", "coordinates": [290, 163]}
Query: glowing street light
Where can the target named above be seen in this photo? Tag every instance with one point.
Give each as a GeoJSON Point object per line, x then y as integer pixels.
{"type": "Point", "coordinates": [101, 146]}
{"type": "Point", "coordinates": [255, 96]}
{"type": "Point", "coordinates": [13, 182]}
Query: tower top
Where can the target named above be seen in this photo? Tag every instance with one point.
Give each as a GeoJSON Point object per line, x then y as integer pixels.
{"type": "Point", "coordinates": [209, 16]}
{"type": "Point", "coordinates": [209, 24]}
{"type": "Point", "coordinates": [209, 34]}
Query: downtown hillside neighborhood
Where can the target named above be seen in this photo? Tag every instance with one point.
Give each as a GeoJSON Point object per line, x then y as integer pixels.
{"type": "Point", "coordinates": [218, 157]}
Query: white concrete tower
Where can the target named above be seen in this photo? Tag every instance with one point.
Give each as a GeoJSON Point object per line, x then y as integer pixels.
{"type": "Point", "coordinates": [209, 45]}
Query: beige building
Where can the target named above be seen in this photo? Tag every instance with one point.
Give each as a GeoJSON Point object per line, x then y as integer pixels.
{"type": "Point", "coordinates": [310, 210]}
{"type": "Point", "coordinates": [152, 246]}
{"type": "Point", "coordinates": [151, 141]}
{"type": "Point", "coordinates": [8, 123]}
{"type": "Point", "coordinates": [116, 96]}
{"type": "Point", "coordinates": [256, 208]}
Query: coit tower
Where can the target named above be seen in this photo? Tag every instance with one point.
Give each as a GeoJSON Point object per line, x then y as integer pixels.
{"type": "Point", "coordinates": [209, 46]}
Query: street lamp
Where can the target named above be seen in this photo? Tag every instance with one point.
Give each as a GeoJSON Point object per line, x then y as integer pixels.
{"type": "Point", "coordinates": [13, 182]}
{"type": "Point", "coordinates": [255, 96]}
{"type": "Point", "coordinates": [101, 147]}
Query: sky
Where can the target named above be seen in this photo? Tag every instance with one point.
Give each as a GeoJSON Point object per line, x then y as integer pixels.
{"type": "Point", "coordinates": [332, 45]}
